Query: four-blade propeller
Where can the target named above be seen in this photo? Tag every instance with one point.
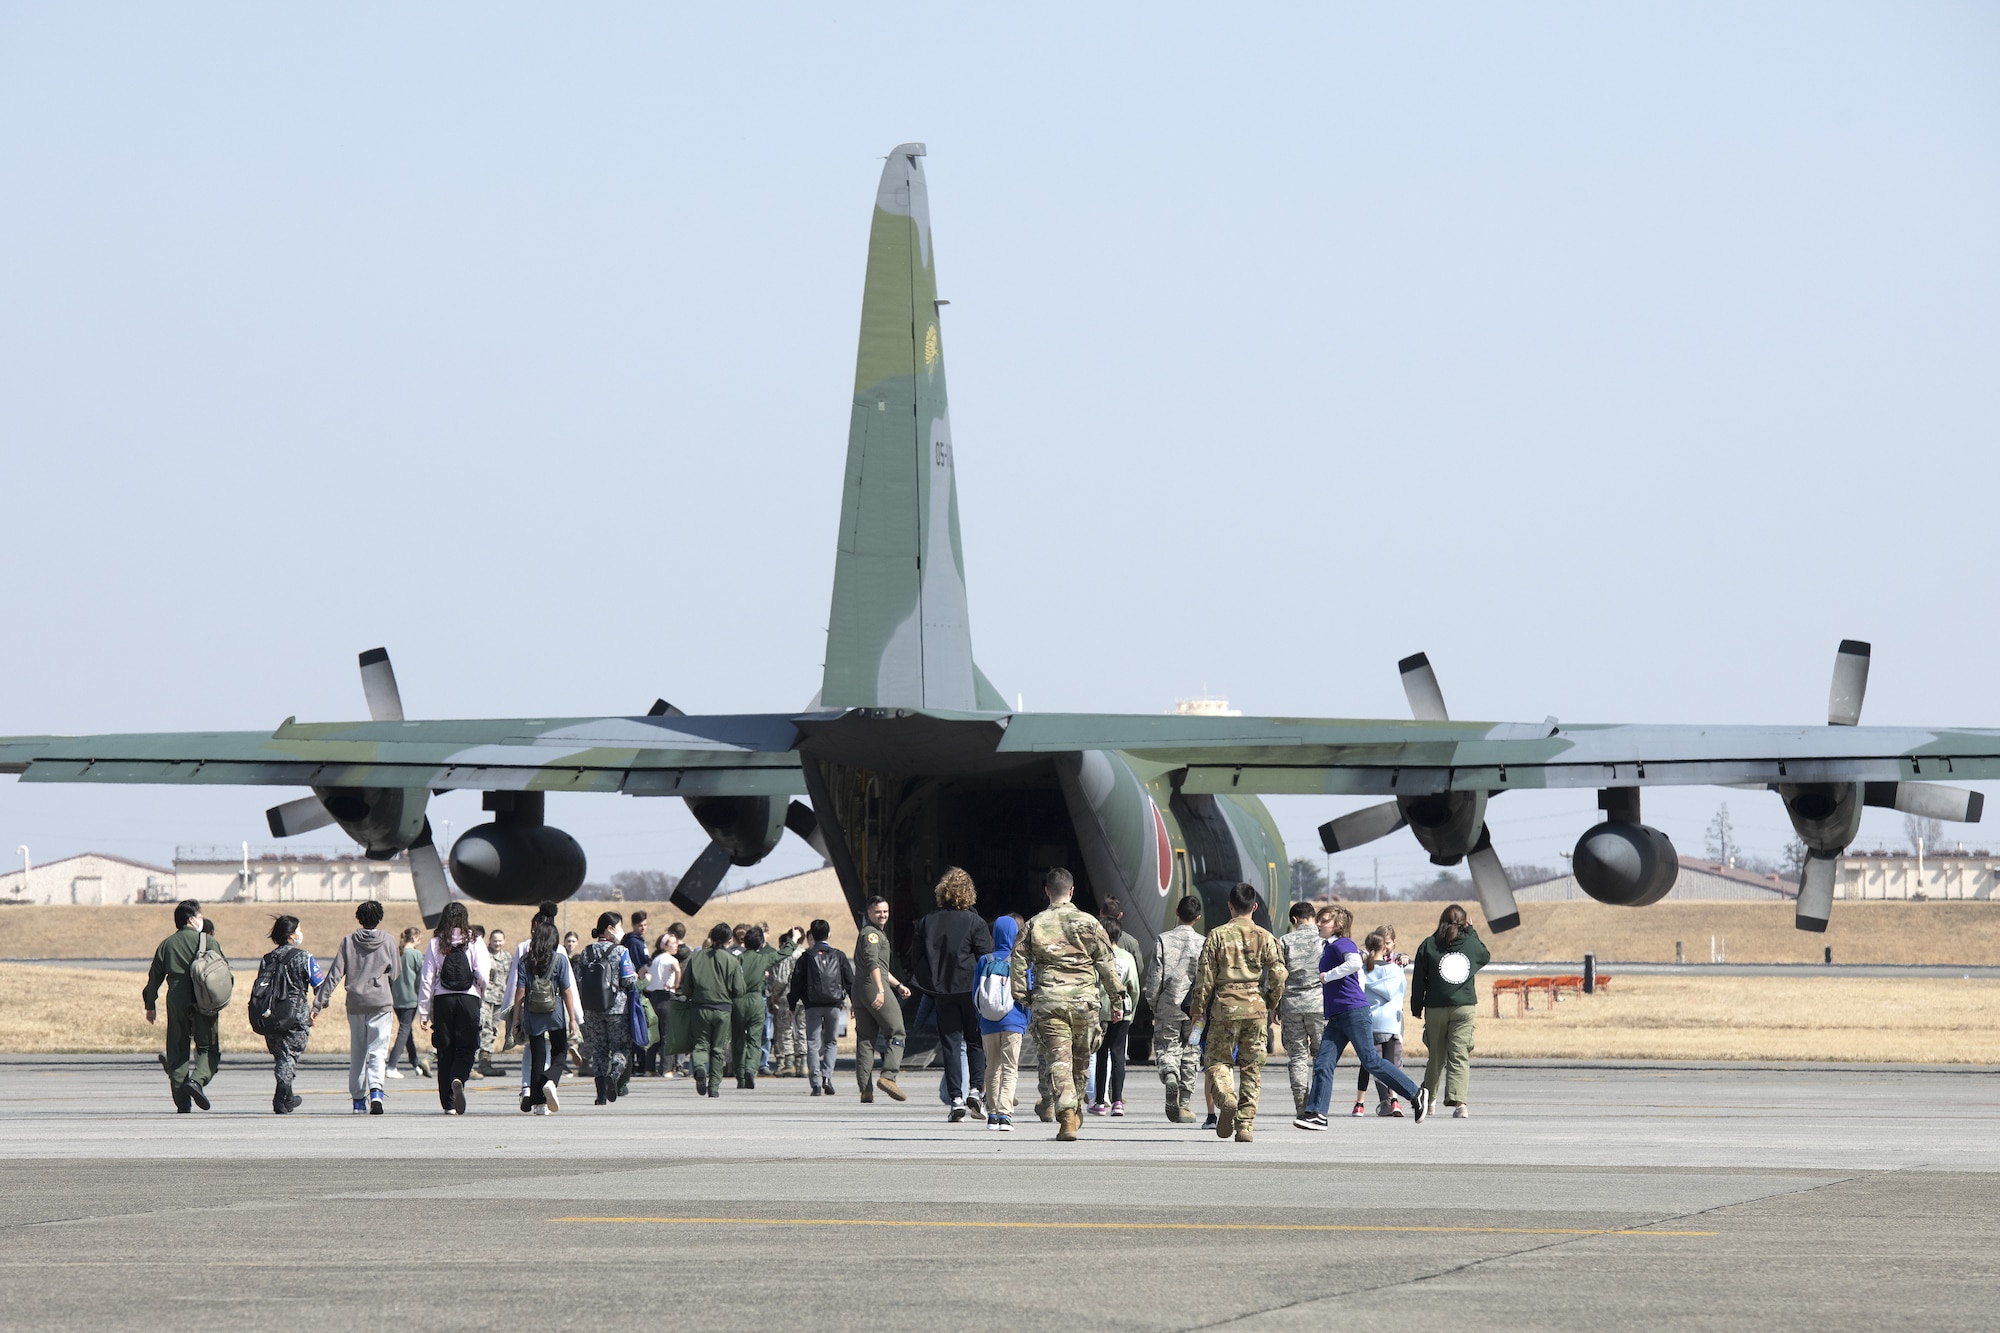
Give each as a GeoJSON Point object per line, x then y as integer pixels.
{"type": "Point", "coordinates": [1451, 825]}
{"type": "Point", "coordinates": [382, 821]}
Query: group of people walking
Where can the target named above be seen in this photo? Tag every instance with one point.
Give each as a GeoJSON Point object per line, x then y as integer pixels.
{"type": "Point", "coordinates": [1064, 980]}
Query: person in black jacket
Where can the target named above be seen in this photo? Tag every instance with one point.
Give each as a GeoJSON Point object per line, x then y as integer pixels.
{"type": "Point", "coordinates": [821, 980]}
{"type": "Point", "coordinates": [949, 944]}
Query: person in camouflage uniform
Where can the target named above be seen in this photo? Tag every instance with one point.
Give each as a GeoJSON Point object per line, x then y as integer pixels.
{"type": "Point", "coordinates": [1070, 959]}
{"type": "Point", "coordinates": [491, 1032]}
{"type": "Point", "coordinates": [1241, 978]}
{"type": "Point", "coordinates": [607, 1034]}
{"type": "Point", "coordinates": [1300, 1021]}
{"type": "Point", "coordinates": [300, 977]}
{"type": "Point", "coordinates": [1168, 983]}
{"type": "Point", "coordinates": [788, 1020]}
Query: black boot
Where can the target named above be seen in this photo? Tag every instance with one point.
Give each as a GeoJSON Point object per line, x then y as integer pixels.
{"type": "Point", "coordinates": [700, 1081]}
{"type": "Point", "coordinates": [282, 1100]}
{"type": "Point", "coordinates": [750, 1082]}
{"type": "Point", "coordinates": [601, 1098]}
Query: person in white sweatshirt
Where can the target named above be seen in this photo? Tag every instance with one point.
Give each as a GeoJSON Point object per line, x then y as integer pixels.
{"type": "Point", "coordinates": [1386, 987]}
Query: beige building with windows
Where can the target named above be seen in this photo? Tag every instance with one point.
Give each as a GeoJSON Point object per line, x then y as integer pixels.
{"type": "Point", "coordinates": [213, 875]}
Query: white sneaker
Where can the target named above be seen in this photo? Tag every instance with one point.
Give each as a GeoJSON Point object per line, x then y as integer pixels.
{"type": "Point", "coordinates": [551, 1102]}
{"type": "Point", "coordinates": [541, 1110]}
{"type": "Point", "coordinates": [395, 1073]}
{"type": "Point", "coordinates": [1461, 1112]}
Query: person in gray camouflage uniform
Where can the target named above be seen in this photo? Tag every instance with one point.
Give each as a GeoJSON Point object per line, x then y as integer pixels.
{"type": "Point", "coordinates": [1300, 1022]}
{"type": "Point", "coordinates": [607, 1034]}
{"type": "Point", "coordinates": [1167, 984]}
{"type": "Point", "coordinates": [788, 1020]}
{"type": "Point", "coordinates": [491, 1033]}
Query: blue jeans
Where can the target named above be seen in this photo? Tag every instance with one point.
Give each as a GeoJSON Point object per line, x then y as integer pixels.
{"type": "Point", "coordinates": [1351, 1028]}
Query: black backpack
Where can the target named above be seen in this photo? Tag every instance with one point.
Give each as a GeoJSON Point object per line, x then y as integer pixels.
{"type": "Point", "coordinates": [823, 981]}
{"type": "Point", "coordinates": [276, 1006]}
{"type": "Point", "coordinates": [597, 978]}
{"type": "Point", "coordinates": [455, 973]}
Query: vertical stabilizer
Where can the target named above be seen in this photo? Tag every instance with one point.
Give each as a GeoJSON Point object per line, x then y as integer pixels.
{"type": "Point", "coordinates": [899, 635]}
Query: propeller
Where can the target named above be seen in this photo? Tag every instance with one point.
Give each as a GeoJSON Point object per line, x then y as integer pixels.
{"type": "Point", "coordinates": [1489, 875]}
{"type": "Point", "coordinates": [385, 704]}
{"type": "Point", "coordinates": [1930, 800]}
{"type": "Point", "coordinates": [693, 889]}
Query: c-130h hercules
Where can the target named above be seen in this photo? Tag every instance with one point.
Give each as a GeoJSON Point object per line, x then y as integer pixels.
{"type": "Point", "coordinates": [910, 760]}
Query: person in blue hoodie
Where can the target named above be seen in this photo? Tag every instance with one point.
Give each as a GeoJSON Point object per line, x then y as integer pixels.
{"type": "Point", "coordinates": [1001, 1023]}
{"type": "Point", "coordinates": [1347, 1024]}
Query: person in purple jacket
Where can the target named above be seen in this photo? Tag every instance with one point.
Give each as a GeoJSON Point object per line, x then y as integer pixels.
{"type": "Point", "coordinates": [1346, 1006]}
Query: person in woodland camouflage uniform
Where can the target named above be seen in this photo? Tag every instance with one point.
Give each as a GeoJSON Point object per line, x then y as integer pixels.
{"type": "Point", "coordinates": [1300, 1022]}
{"type": "Point", "coordinates": [1240, 980]}
{"type": "Point", "coordinates": [1070, 957]}
{"type": "Point", "coordinates": [788, 1021]}
{"type": "Point", "coordinates": [491, 1033]}
{"type": "Point", "coordinates": [1168, 982]}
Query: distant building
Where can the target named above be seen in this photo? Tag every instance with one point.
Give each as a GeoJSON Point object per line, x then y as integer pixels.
{"type": "Point", "coordinates": [213, 875]}
{"type": "Point", "coordinates": [1953, 876]}
{"type": "Point", "coordinates": [90, 879]}
{"type": "Point", "coordinates": [1948, 876]}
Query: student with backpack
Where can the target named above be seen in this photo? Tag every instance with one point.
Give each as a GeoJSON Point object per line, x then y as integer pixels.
{"type": "Point", "coordinates": [606, 981]}
{"type": "Point", "coordinates": [545, 997]}
{"type": "Point", "coordinates": [822, 980]}
{"type": "Point", "coordinates": [1002, 1023]}
{"type": "Point", "coordinates": [281, 1008]}
{"type": "Point", "coordinates": [367, 960]}
{"type": "Point", "coordinates": [194, 1043]}
{"type": "Point", "coordinates": [448, 1000]}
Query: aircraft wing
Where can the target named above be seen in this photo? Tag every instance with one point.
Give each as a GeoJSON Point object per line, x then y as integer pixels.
{"type": "Point", "coordinates": [1318, 756]}
{"type": "Point", "coordinates": [729, 755]}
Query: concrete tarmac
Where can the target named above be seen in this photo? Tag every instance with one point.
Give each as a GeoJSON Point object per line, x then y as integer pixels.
{"type": "Point", "coordinates": [1576, 1196]}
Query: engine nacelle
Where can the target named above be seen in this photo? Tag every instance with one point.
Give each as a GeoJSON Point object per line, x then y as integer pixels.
{"type": "Point", "coordinates": [517, 864]}
{"type": "Point", "coordinates": [1825, 815]}
{"type": "Point", "coordinates": [1447, 824]}
{"type": "Point", "coordinates": [748, 826]}
{"type": "Point", "coordinates": [1626, 865]}
{"type": "Point", "coordinates": [384, 820]}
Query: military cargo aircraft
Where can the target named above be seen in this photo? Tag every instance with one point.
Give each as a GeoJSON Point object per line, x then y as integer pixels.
{"type": "Point", "coordinates": [909, 759]}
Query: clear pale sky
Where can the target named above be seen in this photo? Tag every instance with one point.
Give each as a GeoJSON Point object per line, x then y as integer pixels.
{"type": "Point", "coordinates": [1624, 358]}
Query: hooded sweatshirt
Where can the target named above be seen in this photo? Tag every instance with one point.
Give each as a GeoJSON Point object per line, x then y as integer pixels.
{"type": "Point", "coordinates": [368, 959]}
{"type": "Point", "coordinates": [1443, 975]}
{"type": "Point", "coordinates": [999, 963]}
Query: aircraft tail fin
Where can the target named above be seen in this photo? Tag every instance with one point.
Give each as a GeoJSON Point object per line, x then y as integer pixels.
{"type": "Point", "coordinates": [899, 635]}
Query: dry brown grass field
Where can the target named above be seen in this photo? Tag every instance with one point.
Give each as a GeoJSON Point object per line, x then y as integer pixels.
{"type": "Point", "coordinates": [1925, 1019]}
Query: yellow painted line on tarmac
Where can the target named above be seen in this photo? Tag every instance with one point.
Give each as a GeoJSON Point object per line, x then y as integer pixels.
{"type": "Point", "coordinates": [1127, 1226]}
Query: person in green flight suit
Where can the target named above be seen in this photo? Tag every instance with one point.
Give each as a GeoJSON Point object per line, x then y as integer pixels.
{"type": "Point", "coordinates": [746, 1018]}
{"type": "Point", "coordinates": [193, 1042]}
{"type": "Point", "coordinates": [875, 1009]}
{"type": "Point", "coordinates": [711, 984]}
